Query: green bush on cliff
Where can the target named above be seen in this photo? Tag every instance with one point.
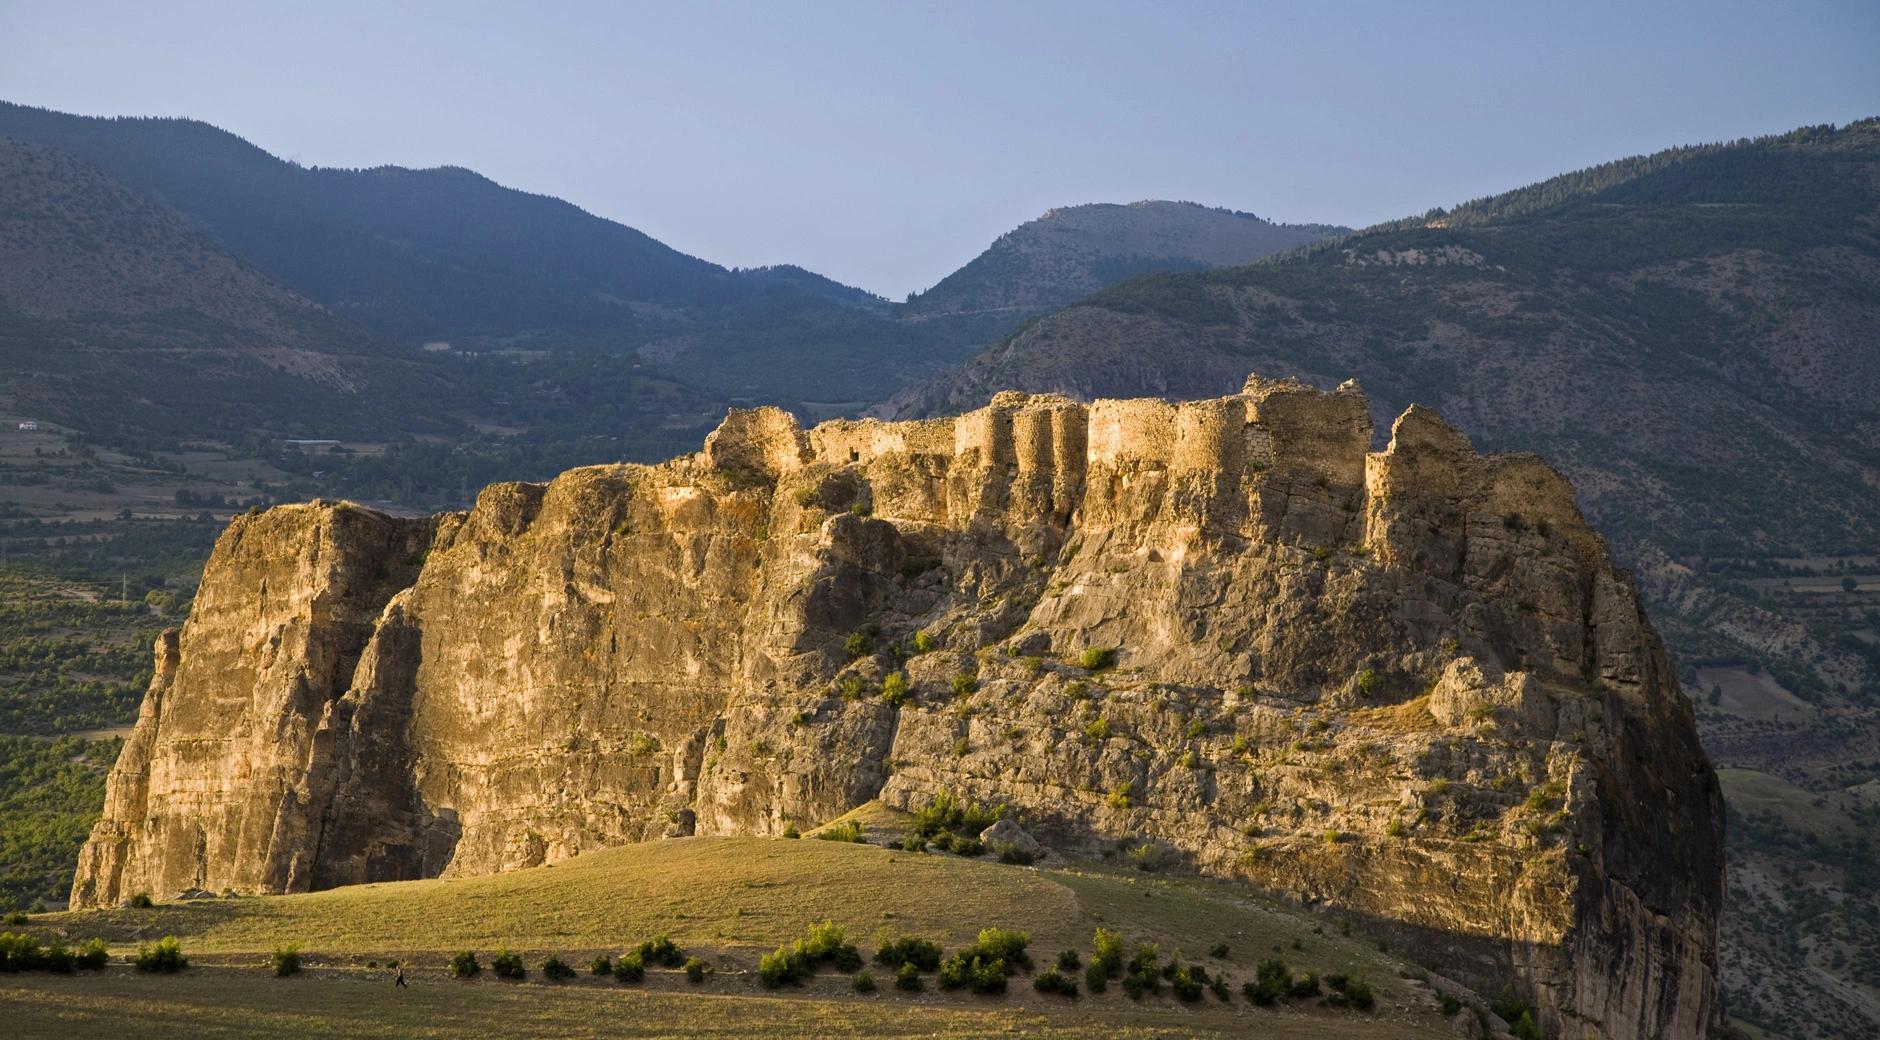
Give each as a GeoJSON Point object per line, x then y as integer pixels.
{"type": "Point", "coordinates": [1520, 1017]}
{"type": "Point", "coordinates": [894, 689]}
{"type": "Point", "coordinates": [463, 965]}
{"type": "Point", "coordinates": [947, 812]}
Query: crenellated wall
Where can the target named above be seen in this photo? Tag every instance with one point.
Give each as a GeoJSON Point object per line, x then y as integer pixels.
{"type": "Point", "coordinates": [1406, 684]}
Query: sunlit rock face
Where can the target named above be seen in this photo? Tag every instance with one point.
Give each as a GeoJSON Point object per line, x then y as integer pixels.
{"type": "Point", "coordinates": [1406, 684]}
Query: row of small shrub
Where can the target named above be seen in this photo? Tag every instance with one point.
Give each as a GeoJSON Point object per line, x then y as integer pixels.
{"type": "Point", "coordinates": [985, 965]}
{"type": "Point", "coordinates": [1144, 972]}
{"type": "Point", "coordinates": [823, 945]}
{"type": "Point", "coordinates": [1273, 981]}
{"type": "Point", "coordinates": [19, 952]}
{"type": "Point", "coordinates": [960, 845]}
{"type": "Point", "coordinates": [629, 967]}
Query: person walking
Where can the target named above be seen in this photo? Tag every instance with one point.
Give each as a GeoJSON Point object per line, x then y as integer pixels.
{"type": "Point", "coordinates": [399, 978]}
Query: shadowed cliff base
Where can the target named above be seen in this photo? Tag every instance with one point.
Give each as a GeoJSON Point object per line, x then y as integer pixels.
{"type": "Point", "coordinates": [1408, 684]}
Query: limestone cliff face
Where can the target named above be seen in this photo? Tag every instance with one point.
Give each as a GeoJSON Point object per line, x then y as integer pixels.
{"type": "Point", "coordinates": [1408, 684]}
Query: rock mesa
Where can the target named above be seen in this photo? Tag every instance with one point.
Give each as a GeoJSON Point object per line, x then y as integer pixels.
{"type": "Point", "coordinates": [1408, 685]}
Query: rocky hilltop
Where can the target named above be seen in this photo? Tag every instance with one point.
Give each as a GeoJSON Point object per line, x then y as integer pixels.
{"type": "Point", "coordinates": [1073, 251]}
{"type": "Point", "coordinates": [1408, 684]}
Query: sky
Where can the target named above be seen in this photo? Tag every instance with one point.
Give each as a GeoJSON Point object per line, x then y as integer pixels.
{"type": "Point", "coordinates": [885, 144]}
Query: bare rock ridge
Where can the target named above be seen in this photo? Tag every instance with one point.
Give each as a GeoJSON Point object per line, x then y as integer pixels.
{"type": "Point", "coordinates": [1409, 684]}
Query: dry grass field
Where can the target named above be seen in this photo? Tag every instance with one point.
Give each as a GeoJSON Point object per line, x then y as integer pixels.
{"type": "Point", "coordinates": [211, 1003]}
{"type": "Point", "coordinates": [728, 900]}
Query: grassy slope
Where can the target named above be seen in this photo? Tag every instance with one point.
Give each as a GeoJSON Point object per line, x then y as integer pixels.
{"type": "Point", "coordinates": [1802, 925]}
{"type": "Point", "coordinates": [729, 899]}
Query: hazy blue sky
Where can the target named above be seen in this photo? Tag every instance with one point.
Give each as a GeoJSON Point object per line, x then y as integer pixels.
{"type": "Point", "coordinates": [884, 145]}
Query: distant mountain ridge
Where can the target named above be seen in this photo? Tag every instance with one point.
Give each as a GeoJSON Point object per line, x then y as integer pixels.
{"type": "Point", "coordinates": [118, 318]}
{"type": "Point", "coordinates": [447, 254]}
{"type": "Point", "coordinates": [413, 254]}
{"type": "Point", "coordinates": [1071, 252]}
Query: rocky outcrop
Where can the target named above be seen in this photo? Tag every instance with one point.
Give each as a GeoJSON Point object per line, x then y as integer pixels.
{"type": "Point", "coordinates": [1407, 684]}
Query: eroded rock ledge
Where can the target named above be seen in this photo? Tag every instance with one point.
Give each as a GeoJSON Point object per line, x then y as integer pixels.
{"type": "Point", "coordinates": [1408, 684]}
